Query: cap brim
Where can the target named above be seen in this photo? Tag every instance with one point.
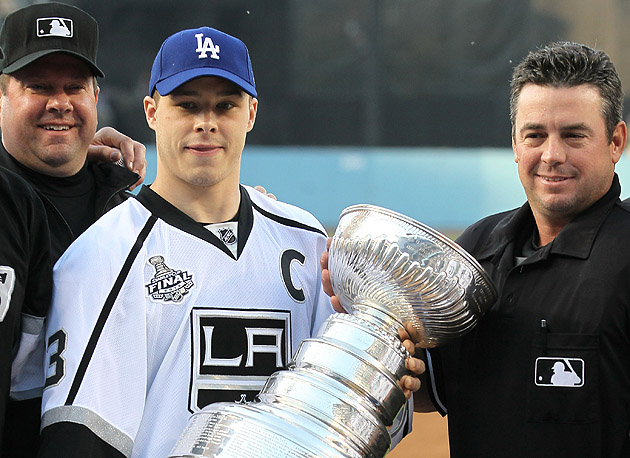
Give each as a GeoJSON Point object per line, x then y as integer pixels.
{"type": "Point", "coordinates": [24, 61]}
{"type": "Point", "coordinates": [167, 85]}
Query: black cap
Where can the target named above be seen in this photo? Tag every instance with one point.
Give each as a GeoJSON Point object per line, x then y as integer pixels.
{"type": "Point", "coordinates": [45, 28]}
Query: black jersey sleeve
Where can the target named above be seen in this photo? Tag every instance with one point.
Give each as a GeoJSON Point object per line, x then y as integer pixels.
{"type": "Point", "coordinates": [72, 440]}
{"type": "Point", "coordinates": [25, 290]}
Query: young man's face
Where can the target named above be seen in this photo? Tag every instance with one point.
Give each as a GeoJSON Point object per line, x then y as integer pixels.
{"type": "Point", "coordinates": [565, 160]}
{"type": "Point", "coordinates": [48, 114]}
{"type": "Point", "coordinates": [200, 131]}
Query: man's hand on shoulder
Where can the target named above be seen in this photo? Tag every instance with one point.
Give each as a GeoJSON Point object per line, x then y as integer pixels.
{"type": "Point", "coordinates": [262, 190]}
{"type": "Point", "coordinates": [109, 145]}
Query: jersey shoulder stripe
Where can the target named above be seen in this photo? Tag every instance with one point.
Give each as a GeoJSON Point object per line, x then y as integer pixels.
{"type": "Point", "coordinates": [287, 221]}
{"type": "Point", "coordinates": [284, 213]}
{"type": "Point", "coordinates": [107, 307]}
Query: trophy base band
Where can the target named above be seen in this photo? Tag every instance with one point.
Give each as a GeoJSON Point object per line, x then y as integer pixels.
{"type": "Point", "coordinates": [229, 430]}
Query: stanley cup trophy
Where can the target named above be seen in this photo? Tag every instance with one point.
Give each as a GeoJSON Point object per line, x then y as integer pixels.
{"type": "Point", "coordinates": [340, 393]}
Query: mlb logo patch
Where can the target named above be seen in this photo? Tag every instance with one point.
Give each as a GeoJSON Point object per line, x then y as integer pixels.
{"type": "Point", "coordinates": [559, 372]}
{"type": "Point", "coordinates": [55, 27]}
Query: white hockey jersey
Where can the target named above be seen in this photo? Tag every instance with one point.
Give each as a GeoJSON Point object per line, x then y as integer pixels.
{"type": "Point", "coordinates": [154, 317]}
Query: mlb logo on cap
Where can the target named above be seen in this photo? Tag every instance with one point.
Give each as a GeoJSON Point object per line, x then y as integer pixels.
{"type": "Point", "coordinates": [38, 30]}
{"type": "Point", "coordinates": [54, 27]}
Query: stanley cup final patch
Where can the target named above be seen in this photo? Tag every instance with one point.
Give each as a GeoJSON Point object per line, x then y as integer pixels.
{"type": "Point", "coordinates": [168, 285]}
{"type": "Point", "coordinates": [55, 27]}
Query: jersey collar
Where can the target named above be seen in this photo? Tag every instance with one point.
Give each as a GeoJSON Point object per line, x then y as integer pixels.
{"type": "Point", "coordinates": [167, 212]}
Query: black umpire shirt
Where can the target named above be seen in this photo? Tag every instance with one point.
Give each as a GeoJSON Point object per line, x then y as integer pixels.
{"type": "Point", "coordinates": [25, 270]}
{"type": "Point", "coordinates": [74, 203]}
{"type": "Point", "coordinates": [546, 373]}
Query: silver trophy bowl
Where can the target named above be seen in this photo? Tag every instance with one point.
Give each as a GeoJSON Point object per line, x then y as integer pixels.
{"type": "Point", "coordinates": [382, 260]}
{"type": "Point", "coordinates": [340, 395]}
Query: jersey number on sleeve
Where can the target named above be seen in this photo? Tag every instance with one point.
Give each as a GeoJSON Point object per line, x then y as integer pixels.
{"type": "Point", "coordinates": [56, 363]}
{"type": "Point", "coordinates": [7, 282]}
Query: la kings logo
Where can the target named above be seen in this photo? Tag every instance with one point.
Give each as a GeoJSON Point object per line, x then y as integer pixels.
{"type": "Point", "coordinates": [205, 46]}
{"type": "Point", "coordinates": [235, 351]}
{"type": "Point", "coordinates": [168, 285]}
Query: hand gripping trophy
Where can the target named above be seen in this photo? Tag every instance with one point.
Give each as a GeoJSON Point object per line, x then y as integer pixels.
{"type": "Point", "coordinates": [340, 393]}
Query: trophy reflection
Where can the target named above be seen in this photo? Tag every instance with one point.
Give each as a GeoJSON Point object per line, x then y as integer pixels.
{"type": "Point", "coordinates": [340, 393]}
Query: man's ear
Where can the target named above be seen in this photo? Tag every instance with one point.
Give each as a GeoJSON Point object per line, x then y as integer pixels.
{"type": "Point", "coordinates": [150, 111]}
{"type": "Point", "coordinates": [253, 109]}
{"type": "Point", "coordinates": [514, 150]}
{"type": "Point", "coordinates": [618, 142]}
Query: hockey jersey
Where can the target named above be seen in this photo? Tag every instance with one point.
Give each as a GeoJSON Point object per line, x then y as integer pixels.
{"type": "Point", "coordinates": [25, 281]}
{"type": "Point", "coordinates": [154, 316]}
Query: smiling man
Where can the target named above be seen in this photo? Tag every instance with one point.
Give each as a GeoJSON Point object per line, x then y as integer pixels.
{"type": "Point", "coordinates": [48, 114]}
{"type": "Point", "coordinates": [561, 264]}
{"type": "Point", "coordinates": [566, 157]}
{"type": "Point", "coordinates": [48, 119]}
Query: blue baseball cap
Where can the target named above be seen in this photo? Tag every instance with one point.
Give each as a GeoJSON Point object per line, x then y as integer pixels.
{"type": "Point", "coordinates": [199, 52]}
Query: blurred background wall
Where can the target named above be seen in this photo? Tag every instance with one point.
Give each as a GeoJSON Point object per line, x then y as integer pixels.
{"type": "Point", "coordinates": [358, 72]}
{"type": "Point", "coordinates": [400, 103]}
{"type": "Point", "coordinates": [342, 72]}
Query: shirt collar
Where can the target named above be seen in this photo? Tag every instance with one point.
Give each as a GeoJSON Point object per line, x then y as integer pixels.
{"type": "Point", "coordinates": [575, 239]}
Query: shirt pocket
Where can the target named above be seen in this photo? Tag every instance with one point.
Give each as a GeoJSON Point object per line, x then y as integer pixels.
{"type": "Point", "coordinates": [565, 379]}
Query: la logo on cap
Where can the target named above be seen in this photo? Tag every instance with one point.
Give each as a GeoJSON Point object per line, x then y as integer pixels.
{"type": "Point", "coordinates": [55, 27]}
{"type": "Point", "coordinates": [206, 46]}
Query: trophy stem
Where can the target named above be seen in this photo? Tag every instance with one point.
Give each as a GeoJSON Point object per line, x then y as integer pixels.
{"type": "Point", "coordinates": [379, 317]}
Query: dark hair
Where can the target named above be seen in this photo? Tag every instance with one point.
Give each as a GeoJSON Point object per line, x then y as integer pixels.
{"type": "Point", "coordinates": [565, 64]}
